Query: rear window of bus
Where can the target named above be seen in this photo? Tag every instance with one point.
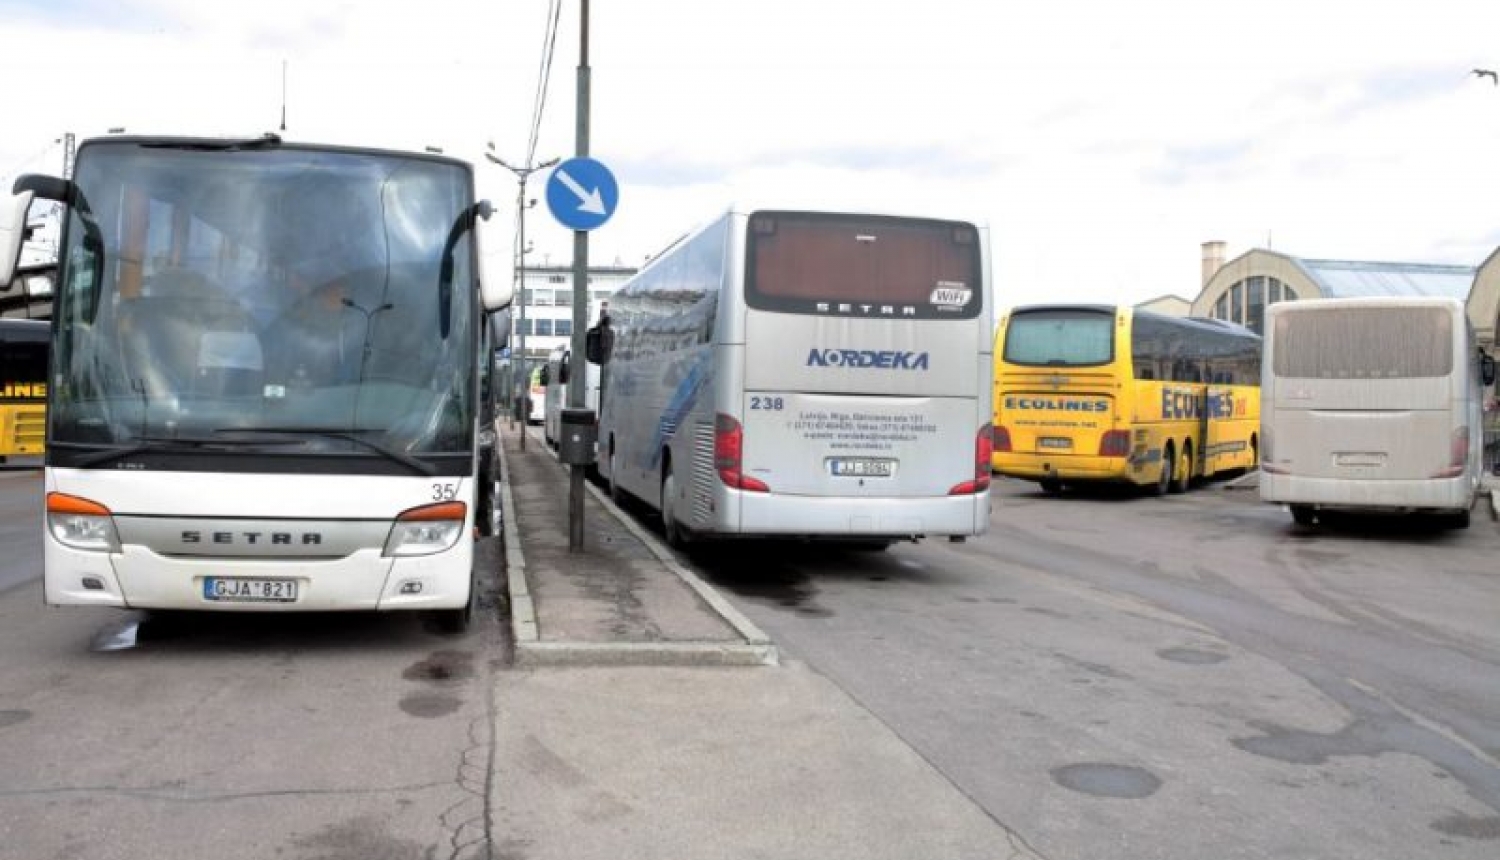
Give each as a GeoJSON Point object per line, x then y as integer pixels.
{"type": "Point", "coordinates": [866, 266]}
{"type": "Point", "coordinates": [1364, 343]}
{"type": "Point", "coordinates": [1060, 338]}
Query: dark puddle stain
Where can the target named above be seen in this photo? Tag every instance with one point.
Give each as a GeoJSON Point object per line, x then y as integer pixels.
{"type": "Point", "coordinates": [1042, 610]}
{"type": "Point", "coordinates": [429, 705]}
{"type": "Point", "coordinates": [442, 667]}
{"type": "Point", "coordinates": [1298, 747]}
{"type": "Point", "coordinates": [1192, 656]}
{"type": "Point", "coordinates": [1001, 599]}
{"type": "Point", "coordinates": [1469, 826]}
{"type": "Point", "coordinates": [365, 838]}
{"type": "Point", "coordinates": [968, 600]}
{"type": "Point", "coordinates": [1107, 780]}
{"type": "Point", "coordinates": [752, 576]}
{"type": "Point", "coordinates": [10, 718]}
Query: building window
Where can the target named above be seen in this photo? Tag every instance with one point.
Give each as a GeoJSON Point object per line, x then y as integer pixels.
{"type": "Point", "coordinates": [1236, 307]}
{"type": "Point", "coordinates": [1255, 301]}
{"type": "Point", "coordinates": [562, 328]}
{"type": "Point", "coordinates": [555, 279]}
{"type": "Point", "coordinates": [544, 327]}
{"type": "Point", "coordinates": [1221, 308]}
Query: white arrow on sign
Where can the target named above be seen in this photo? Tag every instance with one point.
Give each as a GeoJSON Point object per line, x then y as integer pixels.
{"type": "Point", "coordinates": [589, 201]}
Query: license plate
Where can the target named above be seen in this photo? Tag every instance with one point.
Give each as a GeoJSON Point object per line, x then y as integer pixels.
{"type": "Point", "coordinates": [1054, 442]}
{"type": "Point", "coordinates": [861, 467]}
{"type": "Point", "coordinates": [236, 590]}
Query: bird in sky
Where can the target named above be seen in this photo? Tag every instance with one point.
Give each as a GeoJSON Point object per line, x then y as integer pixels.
{"type": "Point", "coordinates": [1488, 73]}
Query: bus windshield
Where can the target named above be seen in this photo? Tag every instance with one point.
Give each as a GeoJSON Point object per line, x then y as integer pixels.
{"type": "Point", "coordinates": [806, 262]}
{"type": "Point", "coordinates": [1060, 338]}
{"type": "Point", "coordinates": [220, 292]}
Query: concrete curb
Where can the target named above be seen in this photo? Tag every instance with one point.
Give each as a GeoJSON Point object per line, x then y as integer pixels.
{"type": "Point", "coordinates": [756, 649]}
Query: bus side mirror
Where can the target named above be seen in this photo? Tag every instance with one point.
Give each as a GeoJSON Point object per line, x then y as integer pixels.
{"type": "Point", "coordinates": [599, 343]}
{"type": "Point", "coordinates": [12, 233]}
{"type": "Point", "coordinates": [1487, 369]}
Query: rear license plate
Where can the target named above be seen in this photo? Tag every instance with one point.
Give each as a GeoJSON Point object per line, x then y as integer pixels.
{"type": "Point", "coordinates": [861, 467]}
{"type": "Point", "coordinates": [1054, 442]}
{"type": "Point", "coordinates": [236, 590]}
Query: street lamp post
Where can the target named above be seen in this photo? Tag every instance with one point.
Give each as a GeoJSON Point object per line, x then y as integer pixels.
{"type": "Point", "coordinates": [523, 382]}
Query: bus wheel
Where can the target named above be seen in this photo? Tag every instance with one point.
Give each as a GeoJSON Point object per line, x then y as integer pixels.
{"type": "Point", "coordinates": [1051, 486]}
{"type": "Point", "coordinates": [1168, 465]}
{"type": "Point", "coordinates": [1303, 515]}
{"type": "Point", "coordinates": [616, 495]}
{"type": "Point", "coordinates": [1457, 519]}
{"type": "Point", "coordinates": [456, 621]}
{"type": "Point", "coordinates": [1184, 474]}
{"type": "Point", "coordinates": [676, 537]}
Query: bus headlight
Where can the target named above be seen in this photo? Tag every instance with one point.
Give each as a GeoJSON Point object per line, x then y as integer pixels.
{"type": "Point", "coordinates": [426, 530]}
{"type": "Point", "coordinates": [81, 523]}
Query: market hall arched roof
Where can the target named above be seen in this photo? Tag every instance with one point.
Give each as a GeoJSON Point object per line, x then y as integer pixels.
{"type": "Point", "coordinates": [1240, 289]}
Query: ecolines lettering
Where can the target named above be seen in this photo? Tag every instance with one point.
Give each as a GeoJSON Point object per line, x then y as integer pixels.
{"type": "Point", "coordinates": [22, 389]}
{"type": "Point", "coordinates": [883, 359]}
{"type": "Point", "coordinates": [1056, 404]}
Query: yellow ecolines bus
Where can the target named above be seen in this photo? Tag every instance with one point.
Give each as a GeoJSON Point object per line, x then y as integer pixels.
{"type": "Point", "coordinates": [1097, 393]}
{"type": "Point", "coordinates": [23, 387]}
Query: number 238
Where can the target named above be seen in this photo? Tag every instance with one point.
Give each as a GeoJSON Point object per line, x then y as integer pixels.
{"type": "Point", "coordinates": [772, 403]}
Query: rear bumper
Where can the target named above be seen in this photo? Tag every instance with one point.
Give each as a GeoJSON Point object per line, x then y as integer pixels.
{"type": "Point", "coordinates": [772, 514]}
{"type": "Point", "coordinates": [1435, 494]}
{"type": "Point", "coordinates": [1035, 467]}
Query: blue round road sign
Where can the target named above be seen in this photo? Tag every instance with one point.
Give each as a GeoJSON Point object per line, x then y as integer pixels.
{"type": "Point", "coordinates": [582, 193]}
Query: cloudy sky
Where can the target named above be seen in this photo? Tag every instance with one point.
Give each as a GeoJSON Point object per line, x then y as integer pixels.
{"type": "Point", "coordinates": [1102, 142]}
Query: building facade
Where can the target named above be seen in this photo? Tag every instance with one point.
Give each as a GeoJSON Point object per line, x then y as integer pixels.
{"type": "Point", "coordinates": [1241, 289]}
{"type": "Point", "coordinates": [548, 295]}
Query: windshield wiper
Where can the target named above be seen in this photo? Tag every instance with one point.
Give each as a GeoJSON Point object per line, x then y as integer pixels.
{"type": "Point", "coordinates": [265, 141]}
{"type": "Point", "coordinates": [167, 444]}
{"type": "Point", "coordinates": [348, 435]}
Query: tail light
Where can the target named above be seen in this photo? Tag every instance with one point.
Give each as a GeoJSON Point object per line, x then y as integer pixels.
{"type": "Point", "coordinates": [729, 451]}
{"type": "Point", "coordinates": [984, 447]}
{"type": "Point", "coordinates": [1458, 455]}
{"type": "Point", "coordinates": [426, 530]}
{"type": "Point", "coordinates": [1000, 439]}
{"type": "Point", "coordinates": [1115, 443]}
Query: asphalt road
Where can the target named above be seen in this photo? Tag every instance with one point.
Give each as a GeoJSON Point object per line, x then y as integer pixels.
{"type": "Point", "coordinates": [20, 524]}
{"type": "Point", "coordinates": [129, 735]}
{"type": "Point", "coordinates": [1186, 677]}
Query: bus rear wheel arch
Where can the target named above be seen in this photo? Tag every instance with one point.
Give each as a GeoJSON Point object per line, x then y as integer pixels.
{"type": "Point", "coordinates": [1168, 466]}
{"type": "Point", "coordinates": [1182, 473]}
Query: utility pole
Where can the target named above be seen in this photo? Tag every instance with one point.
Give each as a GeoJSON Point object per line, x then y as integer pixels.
{"type": "Point", "coordinates": [578, 370]}
{"type": "Point", "coordinates": [523, 379]}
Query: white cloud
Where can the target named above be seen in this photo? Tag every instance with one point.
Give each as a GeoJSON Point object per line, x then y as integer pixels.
{"type": "Point", "coordinates": [1102, 142]}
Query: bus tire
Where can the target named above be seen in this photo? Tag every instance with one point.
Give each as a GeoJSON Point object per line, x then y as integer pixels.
{"type": "Point", "coordinates": [1051, 486]}
{"type": "Point", "coordinates": [1183, 474]}
{"type": "Point", "coordinates": [1457, 519]}
{"type": "Point", "coordinates": [1168, 465]}
{"type": "Point", "coordinates": [616, 495]}
{"type": "Point", "coordinates": [676, 536]}
{"type": "Point", "coordinates": [456, 621]}
{"type": "Point", "coordinates": [1303, 515]}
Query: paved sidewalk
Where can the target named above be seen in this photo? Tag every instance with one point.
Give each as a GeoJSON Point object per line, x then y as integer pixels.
{"type": "Point", "coordinates": [623, 599]}
{"type": "Point", "coordinates": [648, 719]}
